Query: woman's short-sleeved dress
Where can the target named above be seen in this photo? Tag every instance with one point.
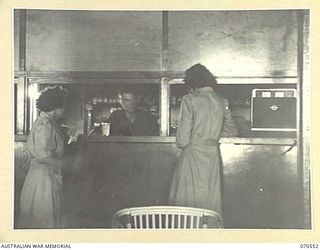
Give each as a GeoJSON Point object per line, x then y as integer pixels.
{"type": "Point", "coordinates": [41, 193]}
{"type": "Point", "coordinates": [204, 117]}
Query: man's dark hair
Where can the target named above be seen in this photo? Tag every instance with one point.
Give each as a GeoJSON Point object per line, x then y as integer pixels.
{"type": "Point", "coordinates": [130, 89]}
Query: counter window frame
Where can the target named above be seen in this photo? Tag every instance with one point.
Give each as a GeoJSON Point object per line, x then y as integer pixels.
{"type": "Point", "coordinates": [26, 110]}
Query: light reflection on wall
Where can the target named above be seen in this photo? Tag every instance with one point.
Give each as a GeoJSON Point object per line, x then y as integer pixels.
{"type": "Point", "coordinates": [234, 43]}
{"type": "Point", "coordinates": [33, 94]}
{"type": "Point", "coordinates": [221, 63]}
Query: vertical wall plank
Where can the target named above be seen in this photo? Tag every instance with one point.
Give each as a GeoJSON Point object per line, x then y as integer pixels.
{"type": "Point", "coordinates": [303, 112]}
{"type": "Point", "coordinates": [164, 107]}
{"type": "Point", "coordinates": [22, 105]}
{"type": "Point", "coordinates": [16, 19]}
{"type": "Point", "coordinates": [21, 118]}
{"type": "Point", "coordinates": [306, 119]}
{"type": "Point", "coordinates": [22, 40]}
{"type": "Point", "coordinates": [165, 87]}
{"type": "Point", "coordinates": [165, 41]}
{"type": "Point", "coordinates": [306, 114]}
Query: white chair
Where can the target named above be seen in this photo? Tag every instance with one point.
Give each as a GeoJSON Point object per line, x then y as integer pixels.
{"type": "Point", "coordinates": [166, 217]}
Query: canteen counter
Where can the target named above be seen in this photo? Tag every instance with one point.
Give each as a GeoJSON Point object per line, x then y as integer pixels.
{"type": "Point", "coordinates": [260, 179]}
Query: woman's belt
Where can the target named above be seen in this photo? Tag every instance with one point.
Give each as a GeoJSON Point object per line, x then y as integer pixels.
{"type": "Point", "coordinates": [205, 142]}
{"type": "Point", "coordinates": [50, 168]}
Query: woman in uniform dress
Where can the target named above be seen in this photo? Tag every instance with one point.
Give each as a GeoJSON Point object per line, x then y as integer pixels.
{"type": "Point", "coordinates": [204, 117]}
{"type": "Point", "coordinates": [40, 200]}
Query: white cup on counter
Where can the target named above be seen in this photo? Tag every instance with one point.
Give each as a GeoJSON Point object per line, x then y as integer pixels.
{"type": "Point", "coordinates": [105, 128]}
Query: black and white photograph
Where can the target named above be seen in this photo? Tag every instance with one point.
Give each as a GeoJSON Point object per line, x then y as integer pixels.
{"type": "Point", "coordinates": [156, 120]}
{"type": "Point", "coordinates": [161, 119]}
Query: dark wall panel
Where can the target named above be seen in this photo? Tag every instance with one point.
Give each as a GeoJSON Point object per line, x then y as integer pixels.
{"type": "Point", "coordinates": [229, 43]}
{"type": "Point", "coordinates": [260, 183]}
{"type": "Point", "coordinates": [234, 43]}
{"type": "Point", "coordinates": [93, 40]}
{"type": "Point", "coordinates": [16, 28]}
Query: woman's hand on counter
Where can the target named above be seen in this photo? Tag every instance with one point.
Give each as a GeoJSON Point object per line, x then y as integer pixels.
{"type": "Point", "coordinates": [73, 135]}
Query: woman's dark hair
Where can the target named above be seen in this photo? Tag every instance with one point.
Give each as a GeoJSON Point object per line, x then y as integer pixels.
{"type": "Point", "coordinates": [199, 76]}
{"type": "Point", "coordinates": [52, 98]}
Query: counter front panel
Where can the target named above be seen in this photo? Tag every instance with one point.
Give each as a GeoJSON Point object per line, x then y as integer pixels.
{"type": "Point", "coordinates": [260, 182]}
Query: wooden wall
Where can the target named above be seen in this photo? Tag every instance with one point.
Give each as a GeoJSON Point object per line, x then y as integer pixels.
{"type": "Point", "coordinates": [93, 40]}
{"type": "Point", "coordinates": [16, 28]}
{"type": "Point", "coordinates": [230, 43]}
{"type": "Point", "coordinates": [234, 43]}
{"type": "Point", "coordinates": [260, 183]}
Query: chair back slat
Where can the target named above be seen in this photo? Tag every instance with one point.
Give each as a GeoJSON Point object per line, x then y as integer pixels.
{"type": "Point", "coordinates": [198, 221]}
{"type": "Point", "coordinates": [135, 221]}
{"type": "Point", "coordinates": [185, 221]}
{"type": "Point", "coordinates": [191, 221]}
{"type": "Point", "coordinates": [140, 221]}
{"type": "Point", "coordinates": [166, 217]}
{"type": "Point", "coordinates": [179, 221]}
{"type": "Point", "coordinates": [160, 221]}
{"type": "Point", "coordinates": [172, 220]}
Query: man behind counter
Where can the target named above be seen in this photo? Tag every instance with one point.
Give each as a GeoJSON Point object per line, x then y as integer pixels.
{"type": "Point", "coordinates": [130, 121]}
